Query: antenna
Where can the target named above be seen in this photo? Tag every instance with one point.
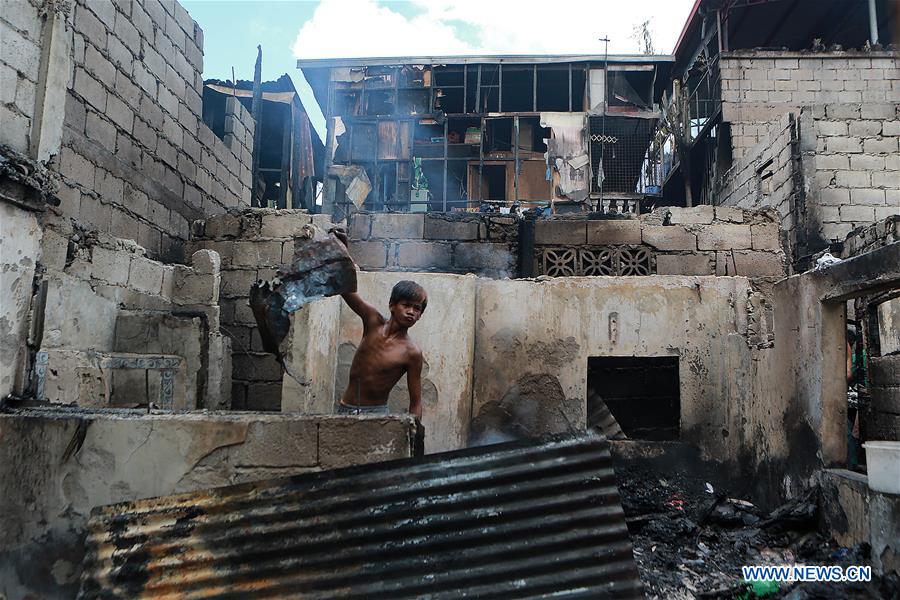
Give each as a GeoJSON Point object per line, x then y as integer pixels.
{"type": "Point", "coordinates": [605, 40]}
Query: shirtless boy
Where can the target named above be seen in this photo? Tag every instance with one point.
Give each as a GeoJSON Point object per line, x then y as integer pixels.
{"type": "Point", "coordinates": [386, 352]}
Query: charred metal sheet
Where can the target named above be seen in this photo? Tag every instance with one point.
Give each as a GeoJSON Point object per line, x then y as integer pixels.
{"type": "Point", "coordinates": [516, 520]}
{"type": "Point", "coordinates": [320, 267]}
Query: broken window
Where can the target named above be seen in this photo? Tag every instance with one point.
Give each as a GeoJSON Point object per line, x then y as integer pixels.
{"type": "Point", "coordinates": [553, 88]}
{"type": "Point", "coordinates": [488, 181]}
{"type": "Point", "coordinates": [489, 89]}
{"type": "Point", "coordinates": [642, 393]}
{"type": "Point", "coordinates": [518, 89]}
{"type": "Point", "coordinates": [449, 89]}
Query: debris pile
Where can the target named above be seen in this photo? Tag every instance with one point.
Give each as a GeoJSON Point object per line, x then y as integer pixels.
{"type": "Point", "coordinates": [690, 541]}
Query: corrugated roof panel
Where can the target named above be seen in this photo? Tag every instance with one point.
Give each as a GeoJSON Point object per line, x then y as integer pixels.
{"type": "Point", "coordinates": [510, 520]}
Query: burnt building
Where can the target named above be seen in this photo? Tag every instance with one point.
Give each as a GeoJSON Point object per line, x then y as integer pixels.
{"type": "Point", "coordinates": [290, 150]}
{"type": "Point", "coordinates": [489, 133]}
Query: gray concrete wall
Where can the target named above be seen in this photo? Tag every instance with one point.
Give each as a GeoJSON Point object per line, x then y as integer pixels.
{"type": "Point", "coordinates": [435, 242]}
{"type": "Point", "coordinates": [65, 462]}
{"type": "Point", "coordinates": [20, 60]}
{"type": "Point", "coordinates": [826, 169]}
{"type": "Point", "coordinates": [533, 340]}
{"type": "Point", "coordinates": [105, 294]}
{"type": "Point", "coordinates": [137, 161]}
{"type": "Point", "coordinates": [20, 239]}
{"type": "Point", "coordinates": [510, 356]}
{"type": "Point", "coordinates": [759, 86]}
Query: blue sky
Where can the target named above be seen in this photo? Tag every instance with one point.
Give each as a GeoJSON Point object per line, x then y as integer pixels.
{"type": "Point", "coordinates": [288, 30]}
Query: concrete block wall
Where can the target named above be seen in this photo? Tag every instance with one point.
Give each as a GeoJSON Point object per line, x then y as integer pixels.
{"type": "Point", "coordinates": [825, 169]}
{"type": "Point", "coordinates": [760, 86]}
{"type": "Point", "coordinates": [763, 178]}
{"type": "Point", "coordinates": [435, 242]}
{"type": "Point", "coordinates": [252, 245]}
{"type": "Point", "coordinates": [20, 59]}
{"type": "Point", "coordinates": [94, 279]}
{"type": "Point", "coordinates": [857, 166]}
{"type": "Point", "coordinates": [136, 159]}
{"type": "Point", "coordinates": [702, 240]}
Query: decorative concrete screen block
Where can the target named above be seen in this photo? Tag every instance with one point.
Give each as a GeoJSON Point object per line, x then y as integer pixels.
{"type": "Point", "coordinates": [613, 232]}
{"type": "Point", "coordinates": [568, 232]}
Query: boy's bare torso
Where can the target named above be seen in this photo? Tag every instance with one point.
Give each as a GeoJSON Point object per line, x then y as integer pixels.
{"type": "Point", "coordinates": [381, 360]}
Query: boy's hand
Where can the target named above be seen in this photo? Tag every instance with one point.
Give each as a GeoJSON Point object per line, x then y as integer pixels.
{"type": "Point", "coordinates": [341, 234]}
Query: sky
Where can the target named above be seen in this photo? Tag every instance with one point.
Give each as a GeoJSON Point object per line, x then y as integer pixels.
{"type": "Point", "coordinates": [288, 30]}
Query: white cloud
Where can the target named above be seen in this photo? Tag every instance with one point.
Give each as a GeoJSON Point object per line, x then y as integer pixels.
{"type": "Point", "coordinates": [355, 28]}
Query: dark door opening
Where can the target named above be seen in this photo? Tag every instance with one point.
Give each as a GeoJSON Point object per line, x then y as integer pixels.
{"type": "Point", "coordinates": [642, 393]}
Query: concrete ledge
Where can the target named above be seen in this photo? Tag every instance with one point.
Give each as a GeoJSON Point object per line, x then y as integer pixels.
{"type": "Point", "coordinates": [857, 514]}
{"type": "Point", "coordinates": [65, 461]}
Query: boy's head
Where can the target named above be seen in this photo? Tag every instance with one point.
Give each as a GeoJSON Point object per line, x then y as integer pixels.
{"type": "Point", "coordinates": [408, 302]}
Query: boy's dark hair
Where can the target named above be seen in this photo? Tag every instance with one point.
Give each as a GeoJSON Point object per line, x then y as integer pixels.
{"type": "Point", "coordinates": [410, 291]}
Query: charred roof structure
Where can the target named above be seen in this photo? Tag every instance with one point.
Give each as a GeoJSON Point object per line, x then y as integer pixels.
{"type": "Point", "coordinates": [290, 153]}
{"type": "Point", "coordinates": [485, 133]}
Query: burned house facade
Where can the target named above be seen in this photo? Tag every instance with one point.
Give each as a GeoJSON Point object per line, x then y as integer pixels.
{"type": "Point", "coordinates": [290, 152]}
{"type": "Point", "coordinates": [489, 133]}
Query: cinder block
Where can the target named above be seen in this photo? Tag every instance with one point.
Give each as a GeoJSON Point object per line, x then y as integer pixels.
{"type": "Point", "coordinates": [191, 287]}
{"type": "Point", "coordinates": [423, 255]}
{"type": "Point", "coordinates": [729, 213]}
{"type": "Point", "coordinates": [345, 441]}
{"type": "Point", "coordinates": [857, 214]}
{"type": "Point", "coordinates": [145, 275]}
{"type": "Point", "coordinates": [257, 254]}
{"type": "Point", "coordinates": [700, 215]}
{"type": "Point", "coordinates": [885, 145]}
{"type": "Point", "coordinates": [685, 264]}
{"type": "Point", "coordinates": [869, 197]}
{"type": "Point", "coordinates": [757, 264]}
{"type": "Point", "coordinates": [284, 224]}
{"type": "Point", "coordinates": [614, 232]}
{"type": "Point", "coordinates": [206, 262]}
{"type": "Point", "coordinates": [484, 256]}
{"type": "Point", "coordinates": [222, 226]}
{"type": "Point", "coordinates": [111, 266]}
{"type": "Point", "coordinates": [439, 228]}
{"type": "Point", "coordinates": [286, 443]}
{"type": "Point", "coordinates": [566, 232]}
{"type": "Point", "coordinates": [360, 226]}
{"type": "Point", "coordinates": [398, 226]}
{"type": "Point", "coordinates": [668, 237]}
{"type": "Point", "coordinates": [764, 236]}
{"type": "Point", "coordinates": [237, 283]}
{"type": "Point", "coordinates": [256, 367]}
{"type": "Point", "coordinates": [724, 237]}
{"type": "Point", "coordinates": [369, 255]}
{"type": "Point", "coordinates": [885, 370]}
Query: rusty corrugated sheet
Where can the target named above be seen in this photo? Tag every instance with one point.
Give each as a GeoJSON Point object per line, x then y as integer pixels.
{"type": "Point", "coordinates": [510, 520]}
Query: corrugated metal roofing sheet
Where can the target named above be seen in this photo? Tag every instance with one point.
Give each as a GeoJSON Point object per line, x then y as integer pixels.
{"type": "Point", "coordinates": [510, 520]}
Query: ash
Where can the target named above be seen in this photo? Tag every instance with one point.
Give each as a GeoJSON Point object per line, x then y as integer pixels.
{"type": "Point", "coordinates": [691, 541]}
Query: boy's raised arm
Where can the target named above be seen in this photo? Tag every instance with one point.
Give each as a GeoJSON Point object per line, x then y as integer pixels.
{"type": "Point", "coordinates": [368, 313]}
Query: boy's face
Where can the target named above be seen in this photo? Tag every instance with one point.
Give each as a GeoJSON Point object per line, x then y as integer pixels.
{"type": "Point", "coordinates": [407, 312]}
